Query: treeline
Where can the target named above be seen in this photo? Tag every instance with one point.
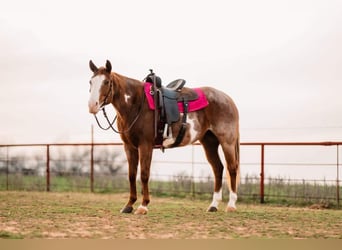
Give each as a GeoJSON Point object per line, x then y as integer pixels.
{"type": "Point", "coordinates": [63, 161]}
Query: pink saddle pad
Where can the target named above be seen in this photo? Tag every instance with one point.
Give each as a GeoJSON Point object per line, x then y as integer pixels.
{"type": "Point", "coordinates": [197, 104]}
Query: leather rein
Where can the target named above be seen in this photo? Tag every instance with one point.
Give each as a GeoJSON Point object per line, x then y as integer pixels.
{"type": "Point", "coordinates": [110, 124]}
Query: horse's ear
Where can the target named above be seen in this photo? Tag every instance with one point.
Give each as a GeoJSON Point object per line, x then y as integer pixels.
{"type": "Point", "coordinates": [108, 66]}
{"type": "Point", "coordinates": [92, 66]}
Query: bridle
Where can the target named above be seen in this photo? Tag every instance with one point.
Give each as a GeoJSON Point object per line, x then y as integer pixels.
{"type": "Point", "coordinates": [110, 91]}
{"type": "Point", "coordinates": [110, 124]}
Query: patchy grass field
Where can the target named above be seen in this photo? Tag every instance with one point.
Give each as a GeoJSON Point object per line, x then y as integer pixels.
{"type": "Point", "coordinates": [83, 215]}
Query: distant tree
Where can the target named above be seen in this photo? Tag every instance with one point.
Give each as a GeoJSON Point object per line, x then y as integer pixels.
{"type": "Point", "coordinates": [64, 161]}
{"type": "Point", "coordinates": [108, 161]}
{"type": "Point", "coordinates": [79, 161]}
{"type": "Point", "coordinates": [58, 164]}
{"type": "Point", "coordinates": [16, 163]}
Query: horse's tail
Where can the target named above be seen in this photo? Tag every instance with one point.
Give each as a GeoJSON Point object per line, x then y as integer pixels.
{"type": "Point", "coordinates": [237, 157]}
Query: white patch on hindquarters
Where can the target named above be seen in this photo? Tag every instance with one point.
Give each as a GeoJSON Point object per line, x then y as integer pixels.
{"type": "Point", "coordinates": [127, 97]}
{"type": "Point", "coordinates": [169, 140]}
{"type": "Point", "coordinates": [192, 131]}
{"type": "Point", "coordinates": [232, 200]}
{"type": "Point", "coordinates": [217, 197]}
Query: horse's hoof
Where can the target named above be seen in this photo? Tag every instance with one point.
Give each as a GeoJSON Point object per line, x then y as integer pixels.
{"type": "Point", "coordinates": [212, 209]}
{"type": "Point", "coordinates": [141, 210]}
{"type": "Point", "coordinates": [230, 209]}
{"type": "Point", "coordinates": [127, 210]}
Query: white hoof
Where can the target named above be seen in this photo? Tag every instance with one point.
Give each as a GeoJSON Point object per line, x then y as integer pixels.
{"type": "Point", "coordinates": [231, 203]}
{"type": "Point", "coordinates": [141, 210]}
{"type": "Point", "coordinates": [230, 209]}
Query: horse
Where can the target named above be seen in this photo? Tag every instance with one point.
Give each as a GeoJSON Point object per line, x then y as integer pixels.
{"type": "Point", "coordinates": [215, 125]}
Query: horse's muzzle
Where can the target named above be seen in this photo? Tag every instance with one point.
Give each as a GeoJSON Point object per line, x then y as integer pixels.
{"type": "Point", "coordinates": [94, 107]}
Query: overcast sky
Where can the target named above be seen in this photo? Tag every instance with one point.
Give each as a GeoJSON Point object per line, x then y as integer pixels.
{"type": "Point", "coordinates": [281, 61]}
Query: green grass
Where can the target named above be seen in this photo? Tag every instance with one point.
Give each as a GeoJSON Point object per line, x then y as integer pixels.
{"type": "Point", "coordinates": [84, 215]}
{"type": "Point", "coordinates": [9, 235]}
{"type": "Point", "coordinates": [277, 190]}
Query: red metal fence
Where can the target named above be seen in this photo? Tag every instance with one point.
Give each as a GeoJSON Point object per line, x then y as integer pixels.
{"type": "Point", "coordinates": [263, 146]}
{"type": "Point", "coordinates": [262, 165]}
{"type": "Point", "coordinates": [49, 145]}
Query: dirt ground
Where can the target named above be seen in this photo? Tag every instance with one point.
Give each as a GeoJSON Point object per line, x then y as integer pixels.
{"type": "Point", "coordinates": [96, 216]}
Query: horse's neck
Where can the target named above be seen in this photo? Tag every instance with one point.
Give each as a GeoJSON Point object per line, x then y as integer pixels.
{"type": "Point", "coordinates": [127, 93]}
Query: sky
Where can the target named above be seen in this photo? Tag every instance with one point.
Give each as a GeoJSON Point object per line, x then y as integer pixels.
{"type": "Point", "coordinates": [281, 62]}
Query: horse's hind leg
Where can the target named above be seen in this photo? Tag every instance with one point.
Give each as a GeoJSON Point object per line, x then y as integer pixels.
{"type": "Point", "coordinates": [210, 145]}
{"type": "Point", "coordinates": [231, 153]}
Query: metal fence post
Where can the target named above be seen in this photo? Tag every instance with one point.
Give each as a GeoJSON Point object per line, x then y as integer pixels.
{"type": "Point", "coordinates": [92, 168]}
{"type": "Point", "coordinates": [47, 167]}
{"type": "Point", "coordinates": [7, 168]}
{"type": "Point", "coordinates": [262, 174]}
{"type": "Point", "coordinates": [193, 172]}
{"type": "Point", "coordinates": [92, 160]}
{"type": "Point", "coordinates": [337, 178]}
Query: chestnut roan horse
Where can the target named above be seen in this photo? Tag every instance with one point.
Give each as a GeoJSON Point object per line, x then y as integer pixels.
{"type": "Point", "coordinates": [216, 124]}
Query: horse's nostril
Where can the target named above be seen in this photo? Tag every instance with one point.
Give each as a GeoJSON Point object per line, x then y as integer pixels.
{"type": "Point", "coordinates": [96, 103]}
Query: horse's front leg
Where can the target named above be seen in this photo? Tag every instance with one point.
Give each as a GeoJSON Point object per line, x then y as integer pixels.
{"type": "Point", "coordinates": [145, 152]}
{"type": "Point", "coordinates": [132, 158]}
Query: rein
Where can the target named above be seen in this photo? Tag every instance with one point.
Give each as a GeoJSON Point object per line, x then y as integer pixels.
{"type": "Point", "coordinates": [110, 124]}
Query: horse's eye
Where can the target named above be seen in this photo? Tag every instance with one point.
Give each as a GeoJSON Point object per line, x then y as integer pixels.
{"type": "Point", "coordinates": [105, 82]}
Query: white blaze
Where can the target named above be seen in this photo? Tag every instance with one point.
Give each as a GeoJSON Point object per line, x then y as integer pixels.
{"type": "Point", "coordinates": [94, 98]}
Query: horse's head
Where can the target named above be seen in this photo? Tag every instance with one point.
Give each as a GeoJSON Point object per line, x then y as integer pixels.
{"type": "Point", "coordinates": [101, 87]}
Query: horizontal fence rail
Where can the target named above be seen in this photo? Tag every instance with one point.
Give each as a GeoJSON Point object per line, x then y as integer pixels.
{"type": "Point", "coordinates": [262, 145]}
{"type": "Point", "coordinates": [262, 165]}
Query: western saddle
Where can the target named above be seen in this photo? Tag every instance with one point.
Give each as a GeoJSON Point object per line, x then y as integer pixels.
{"type": "Point", "coordinates": [166, 111]}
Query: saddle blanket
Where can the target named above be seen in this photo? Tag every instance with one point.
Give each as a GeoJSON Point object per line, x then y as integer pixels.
{"type": "Point", "coordinates": [197, 104]}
